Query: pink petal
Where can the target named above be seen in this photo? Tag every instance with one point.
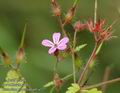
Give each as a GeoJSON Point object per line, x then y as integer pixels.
{"type": "Point", "coordinates": [62, 47]}
{"type": "Point", "coordinates": [56, 37]}
{"type": "Point", "coordinates": [47, 43]}
{"type": "Point", "coordinates": [52, 50]}
{"type": "Point", "coordinates": [63, 41]}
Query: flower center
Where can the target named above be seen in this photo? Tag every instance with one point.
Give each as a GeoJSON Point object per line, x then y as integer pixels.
{"type": "Point", "coordinates": [55, 45]}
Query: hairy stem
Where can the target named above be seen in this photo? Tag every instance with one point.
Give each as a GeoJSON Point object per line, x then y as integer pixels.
{"type": "Point", "coordinates": [55, 66]}
{"type": "Point", "coordinates": [88, 63]}
{"type": "Point", "coordinates": [103, 83]}
{"type": "Point", "coordinates": [94, 50]}
{"type": "Point", "coordinates": [73, 56]}
{"type": "Point", "coordinates": [62, 26]}
{"type": "Point", "coordinates": [95, 12]}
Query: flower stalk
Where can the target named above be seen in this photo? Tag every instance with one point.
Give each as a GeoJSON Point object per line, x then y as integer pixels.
{"type": "Point", "coordinates": [103, 83]}
{"type": "Point", "coordinates": [73, 56]}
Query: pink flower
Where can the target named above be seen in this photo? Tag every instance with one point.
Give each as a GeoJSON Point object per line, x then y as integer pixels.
{"type": "Point", "coordinates": [57, 44]}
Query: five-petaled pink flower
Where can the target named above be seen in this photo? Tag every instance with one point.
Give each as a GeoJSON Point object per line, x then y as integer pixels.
{"type": "Point", "coordinates": [57, 44]}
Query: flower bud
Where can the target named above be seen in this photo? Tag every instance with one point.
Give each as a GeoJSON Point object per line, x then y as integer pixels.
{"type": "Point", "coordinates": [6, 58]}
{"type": "Point", "coordinates": [20, 55]}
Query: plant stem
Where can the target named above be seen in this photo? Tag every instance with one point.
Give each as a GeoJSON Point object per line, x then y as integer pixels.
{"type": "Point", "coordinates": [88, 63]}
{"type": "Point", "coordinates": [72, 49]}
{"type": "Point", "coordinates": [75, 3]}
{"type": "Point", "coordinates": [94, 50]}
{"type": "Point", "coordinates": [73, 56]}
{"type": "Point", "coordinates": [55, 67]}
{"type": "Point", "coordinates": [62, 26]}
{"type": "Point", "coordinates": [95, 12]}
{"type": "Point", "coordinates": [103, 83]}
{"type": "Point", "coordinates": [95, 17]}
{"type": "Point", "coordinates": [23, 36]}
{"type": "Point", "coordinates": [105, 78]}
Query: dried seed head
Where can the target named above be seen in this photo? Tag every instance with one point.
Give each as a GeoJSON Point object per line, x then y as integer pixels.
{"type": "Point", "coordinates": [69, 15]}
{"type": "Point", "coordinates": [57, 81]}
{"type": "Point", "coordinates": [55, 7]}
{"type": "Point", "coordinates": [78, 26]}
{"type": "Point", "coordinates": [95, 27]}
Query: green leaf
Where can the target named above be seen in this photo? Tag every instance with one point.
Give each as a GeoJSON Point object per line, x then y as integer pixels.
{"type": "Point", "coordinates": [48, 84]}
{"type": "Point", "coordinates": [78, 48]}
{"type": "Point", "coordinates": [74, 88]}
{"type": "Point", "coordinates": [94, 90]}
{"type": "Point", "coordinates": [14, 83]}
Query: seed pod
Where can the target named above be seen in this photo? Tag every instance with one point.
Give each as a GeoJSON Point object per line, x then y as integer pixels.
{"type": "Point", "coordinates": [55, 8]}
{"type": "Point", "coordinates": [69, 15]}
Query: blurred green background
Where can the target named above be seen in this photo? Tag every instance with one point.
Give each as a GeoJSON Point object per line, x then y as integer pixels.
{"type": "Point", "coordinates": [41, 24]}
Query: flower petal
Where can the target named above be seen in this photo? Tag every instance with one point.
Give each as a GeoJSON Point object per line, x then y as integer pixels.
{"type": "Point", "coordinates": [63, 41]}
{"type": "Point", "coordinates": [56, 37]}
{"type": "Point", "coordinates": [62, 47]}
{"type": "Point", "coordinates": [52, 50]}
{"type": "Point", "coordinates": [47, 43]}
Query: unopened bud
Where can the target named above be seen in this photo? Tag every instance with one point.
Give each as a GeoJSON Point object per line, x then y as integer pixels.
{"type": "Point", "coordinates": [6, 58]}
{"type": "Point", "coordinates": [20, 55]}
{"type": "Point", "coordinates": [55, 8]}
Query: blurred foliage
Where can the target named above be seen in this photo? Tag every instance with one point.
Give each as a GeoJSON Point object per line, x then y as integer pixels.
{"type": "Point", "coordinates": [41, 24]}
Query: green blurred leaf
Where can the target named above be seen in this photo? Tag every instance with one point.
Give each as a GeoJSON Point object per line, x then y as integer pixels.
{"type": "Point", "coordinates": [48, 84]}
{"type": "Point", "coordinates": [74, 88]}
{"type": "Point", "coordinates": [78, 48]}
{"type": "Point", "coordinates": [14, 83]}
{"type": "Point", "coordinates": [94, 90]}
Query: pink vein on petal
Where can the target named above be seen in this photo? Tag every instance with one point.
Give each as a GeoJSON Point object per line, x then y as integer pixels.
{"type": "Point", "coordinates": [47, 43]}
{"type": "Point", "coordinates": [56, 37]}
{"type": "Point", "coordinates": [52, 50]}
{"type": "Point", "coordinates": [63, 41]}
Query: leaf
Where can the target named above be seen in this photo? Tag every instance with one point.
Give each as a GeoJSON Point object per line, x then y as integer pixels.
{"type": "Point", "coordinates": [94, 90]}
{"type": "Point", "coordinates": [73, 89]}
{"type": "Point", "coordinates": [78, 48]}
{"type": "Point", "coordinates": [14, 83]}
{"type": "Point", "coordinates": [48, 84]}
